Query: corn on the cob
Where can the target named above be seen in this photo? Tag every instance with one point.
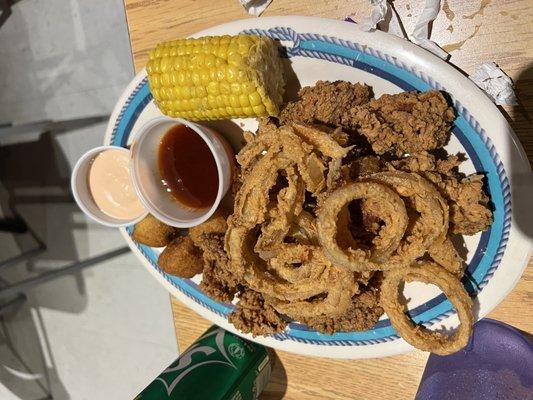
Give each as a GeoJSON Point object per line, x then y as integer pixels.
{"type": "Point", "coordinates": [216, 77]}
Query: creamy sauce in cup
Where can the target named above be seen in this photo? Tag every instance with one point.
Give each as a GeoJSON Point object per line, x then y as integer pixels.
{"type": "Point", "coordinates": [111, 186]}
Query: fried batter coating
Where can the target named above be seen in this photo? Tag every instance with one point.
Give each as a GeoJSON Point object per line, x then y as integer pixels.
{"type": "Point", "coordinates": [364, 166]}
{"type": "Point", "coordinates": [218, 281]}
{"type": "Point", "coordinates": [253, 315]}
{"type": "Point", "coordinates": [363, 314]}
{"type": "Point", "coordinates": [216, 225]}
{"type": "Point", "coordinates": [326, 102]}
{"type": "Point", "coordinates": [445, 254]}
{"type": "Point", "coordinates": [152, 232]}
{"type": "Point", "coordinates": [469, 211]}
{"type": "Point", "coordinates": [181, 258]}
{"type": "Point", "coordinates": [336, 203]}
{"type": "Point", "coordinates": [469, 205]}
{"type": "Point", "coordinates": [401, 123]}
{"type": "Point", "coordinates": [420, 336]}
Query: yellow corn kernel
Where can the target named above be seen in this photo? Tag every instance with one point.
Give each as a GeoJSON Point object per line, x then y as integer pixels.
{"type": "Point", "coordinates": [234, 101]}
{"type": "Point", "coordinates": [212, 88]}
{"type": "Point", "coordinates": [231, 73]}
{"type": "Point", "coordinates": [176, 92]}
{"type": "Point", "coordinates": [210, 60]}
{"type": "Point", "coordinates": [174, 79]}
{"type": "Point", "coordinates": [255, 99]}
{"type": "Point", "coordinates": [225, 39]}
{"type": "Point", "coordinates": [235, 88]}
{"type": "Point", "coordinates": [212, 101]}
{"type": "Point", "coordinates": [259, 110]}
{"type": "Point", "coordinates": [195, 103]}
{"type": "Point", "coordinates": [224, 87]}
{"type": "Point", "coordinates": [233, 48]}
{"type": "Point", "coordinates": [243, 100]}
{"type": "Point", "coordinates": [199, 59]}
{"type": "Point", "coordinates": [165, 79]}
{"type": "Point", "coordinates": [221, 74]}
{"type": "Point", "coordinates": [245, 40]}
{"type": "Point", "coordinates": [227, 102]}
{"type": "Point", "coordinates": [155, 82]}
{"type": "Point", "coordinates": [185, 92]}
{"type": "Point", "coordinates": [204, 77]}
{"type": "Point", "coordinates": [248, 87]}
{"type": "Point", "coordinates": [216, 77]}
{"type": "Point", "coordinates": [195, 77]}
{"type": "Point", "coordinates": [200, 91]}
{"type": "Point", "coordinates": [270, 109]}
{"type": "Point", "coordinates": [234, 59]}
{"type": "Point", "coordinates": [222, 51]}
{"type": "Point", "coordinates": [149, 64]}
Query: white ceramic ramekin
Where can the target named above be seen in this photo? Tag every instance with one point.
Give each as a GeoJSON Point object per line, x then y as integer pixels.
{"type": "Point", "coordinates": [144, 170]}
{"type": "Point", "coordinates": [79, 182]}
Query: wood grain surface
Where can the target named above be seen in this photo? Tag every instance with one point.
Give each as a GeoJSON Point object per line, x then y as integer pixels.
{"type": "Point", "coordinates": [473, 32]}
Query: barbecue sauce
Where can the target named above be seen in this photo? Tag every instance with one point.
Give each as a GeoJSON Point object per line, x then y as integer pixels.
{"type": "Point", "coordinates": [187, 167]}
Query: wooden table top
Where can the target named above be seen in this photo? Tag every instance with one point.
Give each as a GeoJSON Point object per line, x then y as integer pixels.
{"type": "Point", "coordinates": [473, 32]}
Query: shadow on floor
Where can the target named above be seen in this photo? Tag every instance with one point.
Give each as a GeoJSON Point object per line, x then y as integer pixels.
{"type": "Point", "coordinates": [36, 174]}
{"type": "Point", "coordinates": [30, 374]}
{"type": "Point", "coordinates": [33, 176]}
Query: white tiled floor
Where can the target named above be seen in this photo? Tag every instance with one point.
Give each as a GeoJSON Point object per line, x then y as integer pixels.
{"type": "Point", "coordinates": [104, 333]}
{"type": "Point", "coordinates": [62, 57]}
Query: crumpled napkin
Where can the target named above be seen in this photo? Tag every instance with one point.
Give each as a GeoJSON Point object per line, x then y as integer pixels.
{"type": "Point", "coordinates": [381, 9]}
{"type": "Point", "coordinates": [255, 7]}
{"type": "Point", "coordinates": [491, 79]}
{"type": "Point", "coordinates": [420, 34]}
{"type": "Point", "coordinates": [495, 83]}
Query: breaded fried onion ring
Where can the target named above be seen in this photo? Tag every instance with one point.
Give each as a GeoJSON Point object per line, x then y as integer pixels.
{"type": "Point", "coordinates": [432, 223]}
{"type": "Point", "coordinates": [445, 254]}
{"type": "Point", "coordinates": [393, 214]}
{"type": "Point", "coordinates": [335, 300]}
{"type": "Point", "coordinates": [419, 336]}
{"type": "Point", "coordinates": [288, 206]}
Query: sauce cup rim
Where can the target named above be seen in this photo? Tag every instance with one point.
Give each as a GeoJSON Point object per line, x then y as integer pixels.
{"type": "Point", "coordinates": [87, 157]}
{"type": "Point", "coordinates": [138, 184]}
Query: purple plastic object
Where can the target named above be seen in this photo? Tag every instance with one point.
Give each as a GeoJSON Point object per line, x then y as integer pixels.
{"type": "Point", "coordinates": [497, 364]}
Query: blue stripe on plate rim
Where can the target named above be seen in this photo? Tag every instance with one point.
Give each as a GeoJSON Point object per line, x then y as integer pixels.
{"type": "Point", "coordinates": [471, 135]}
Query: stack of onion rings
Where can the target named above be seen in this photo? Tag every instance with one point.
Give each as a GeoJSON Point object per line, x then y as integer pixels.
{"type": "Point", "coordinates": [307, 264]}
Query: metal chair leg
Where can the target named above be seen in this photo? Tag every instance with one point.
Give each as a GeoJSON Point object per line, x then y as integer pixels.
{"type": "Point", "coordinates": [13, 303]}
{"type": "Point", "coordinates": [13, 225]}
{"type": "Point", "coordinates": [22, 257]}
{"type": "Point", "coordinates": [27, 284]}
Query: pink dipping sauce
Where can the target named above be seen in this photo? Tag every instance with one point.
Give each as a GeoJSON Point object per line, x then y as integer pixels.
{"type": "Point", "coordinates": [111, 186]}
